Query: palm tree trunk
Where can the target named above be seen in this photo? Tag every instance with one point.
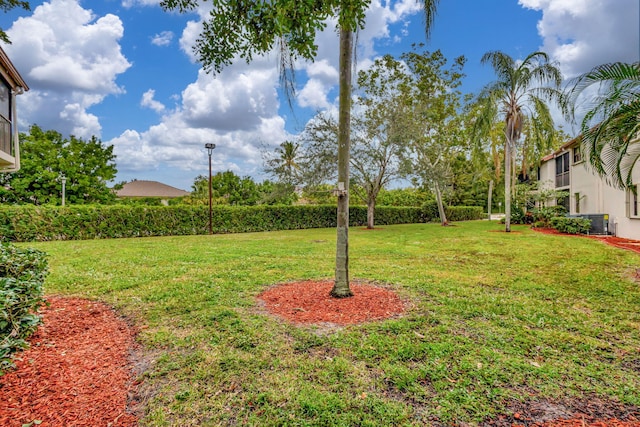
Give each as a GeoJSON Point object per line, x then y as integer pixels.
{"type": "Point", "coordinates": [489, 200]}
{"type": "Point", "coordinates": [507, 179]}
{"type": "Point", "coordinates": [341, 287]}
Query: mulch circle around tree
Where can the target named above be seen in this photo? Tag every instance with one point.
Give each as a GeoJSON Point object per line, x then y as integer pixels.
{"type": "Point", "coordinates": [309, 302]}
{"type": "Point", "coordinates": [78, 373]}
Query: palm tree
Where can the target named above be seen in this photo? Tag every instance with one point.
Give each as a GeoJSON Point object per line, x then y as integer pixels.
{"type": "Point", "coordinates": [611, 125]}
{"type": "Point", "coordinates": [284, 165]}
{"type": "Point", "coordinates": [518, 97]}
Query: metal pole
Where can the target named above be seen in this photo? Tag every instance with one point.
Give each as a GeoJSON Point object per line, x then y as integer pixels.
{"type": "Point", "coordinates": [210, 208]}
{"type": "Point", "coordinates": [210, 148]}
{"type": "Point", "coordinates": [64, 183]}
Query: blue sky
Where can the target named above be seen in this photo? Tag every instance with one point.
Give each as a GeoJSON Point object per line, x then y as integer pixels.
{"type": "Point", "coordinates": [123, 70]}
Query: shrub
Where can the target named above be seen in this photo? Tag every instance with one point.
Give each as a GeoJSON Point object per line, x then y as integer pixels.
{"type": "Point", "coordinates": [540, 224]}
{"type": "Point", "coordinates": [545, 214]}
{"type": "Point", "coordinates": [22, 273]}
{"type": "Point", "coordinates": [571, 225]}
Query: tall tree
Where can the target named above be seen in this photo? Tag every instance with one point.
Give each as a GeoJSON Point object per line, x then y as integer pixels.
{"type": "Point", "coordinates": [379, 139]}
{"type": "Point", "coordinates": [244, 29]}
{"type": "Point", "coordinates": [46, 156]}
{"type": "Point", "coordinates": [611, 125]}
{"type": "Point", "coordinates": [376, 139]}
{"type": "Point", "coordinates": [432, 123]}
{"type": "Point", "coordinates": [519, 96]}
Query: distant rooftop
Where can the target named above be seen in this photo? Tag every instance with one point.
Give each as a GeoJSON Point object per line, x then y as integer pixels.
{"type": "Point", "coordinates": [141, 188]}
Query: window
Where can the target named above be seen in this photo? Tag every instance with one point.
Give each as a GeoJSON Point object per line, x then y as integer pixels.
{"type": "Point", "coordinates": [632, 200]}
{"type": "Point", "coordinates": [577, 199]}
{"type": "Point", "coordinates": [562, 170]}
{"type": "Point", "coordinates": [577, 154]}
{"type": "Point", "coordinates": [5, 117]}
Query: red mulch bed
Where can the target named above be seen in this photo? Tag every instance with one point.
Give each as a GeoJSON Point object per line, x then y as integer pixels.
{"type": "Point", "coordinates": [618, 242]}
{"type": "Point", "coordinates": [76, 372]}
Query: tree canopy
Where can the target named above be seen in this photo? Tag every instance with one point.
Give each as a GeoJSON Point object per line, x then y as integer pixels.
{"type": "Point", "coordinates": [7, 5]}
{"type": "Point", "coordinates": [46, 156]}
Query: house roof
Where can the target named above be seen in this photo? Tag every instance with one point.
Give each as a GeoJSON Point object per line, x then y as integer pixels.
{"type": "Point", "coordinates": [10, 73]}
{"type": "Point", "coordinates": [143, 188]}
{"type": "Point", "coordinates": [562, 149]}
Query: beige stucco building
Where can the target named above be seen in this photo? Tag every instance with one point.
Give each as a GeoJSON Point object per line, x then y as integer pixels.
{"type": "Point", "coordinates": [11, 85]}
{"type": "Point", "coordinates": [589, 193]}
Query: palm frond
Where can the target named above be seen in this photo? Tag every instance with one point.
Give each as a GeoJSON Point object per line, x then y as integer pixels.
{"type": "Point", "coordinates": [429, 7]}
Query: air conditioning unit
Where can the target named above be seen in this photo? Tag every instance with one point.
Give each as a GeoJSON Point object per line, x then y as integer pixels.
{"type": "Point", "coordinates": [599, 222]}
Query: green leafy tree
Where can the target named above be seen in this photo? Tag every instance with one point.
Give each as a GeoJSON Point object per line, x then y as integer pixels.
{"type": "Point", "coordinates": [244, 29]}
{"type": "Point", "coordinates": [46, 156]}
{"type": "Point", "coordinates": [404, 197]}
{"type": "Point", "coordinates": [227, 188]}
{"type": "Point", "coordinates": [376, 141]}
{"type": "Point", "coordinates": [7, 5]}
{"type": "Point", "coordinates": [519, 97]}
{"type": "Point", "coordinates": [610, 127]}
{"type": "Point", "coordinates": [432, 123]}
{"type": "Point", "coordinates": [276, 193]}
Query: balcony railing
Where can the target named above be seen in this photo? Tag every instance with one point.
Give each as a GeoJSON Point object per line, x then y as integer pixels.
{"type": "Point", "coordinates": [562, 180]}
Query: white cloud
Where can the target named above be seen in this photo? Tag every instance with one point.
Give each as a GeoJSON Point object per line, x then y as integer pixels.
{"type": "Point", "coordinates": [236, 99]}
{"type": "Point", "coordinates": [314, 95]}
{"type": "Point", "coordinates": [162, 39]}
{"type": "Point", "coordinates": [582, 34]}
{"type": "Point", "coordinates": [237, 110]}
{"type": "Point", "coordinates": [148, 101]}
{"type": "Point", "coordinates": [133, 3]}
{"type": "Point", "coordinates": [70, 61]}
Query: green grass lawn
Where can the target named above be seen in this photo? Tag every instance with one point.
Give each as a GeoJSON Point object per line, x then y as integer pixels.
{"type": "Point", "coordinates": [494, 318]}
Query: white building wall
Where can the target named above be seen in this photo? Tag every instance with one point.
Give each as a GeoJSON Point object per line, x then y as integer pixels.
{"type": "Point", "coordinates": [596, 196]}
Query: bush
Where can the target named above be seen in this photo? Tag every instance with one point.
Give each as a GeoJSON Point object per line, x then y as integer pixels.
{"type": "Point", "coordinates": [544, 215]}
{"type": "Point", "coordinates": [22, 273]}
{"type": "Point", "coordinates": [571, 225]}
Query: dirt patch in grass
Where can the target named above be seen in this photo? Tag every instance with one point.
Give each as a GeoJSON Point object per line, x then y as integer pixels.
{"type": "Point", "coordinates": [591, 412]}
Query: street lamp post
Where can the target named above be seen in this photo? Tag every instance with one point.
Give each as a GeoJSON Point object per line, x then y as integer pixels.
{"type": "Point", "coordinates": [210, 147]}
{"type": "Point", "coordinates": [64, 183]}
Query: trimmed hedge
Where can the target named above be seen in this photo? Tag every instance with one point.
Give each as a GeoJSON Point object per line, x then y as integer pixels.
{"type": "Point", "coordinates": [464, 213]}
{"type": "Point", "coordinates": [43, 223]}
{"type": "Point", "coordinates": [22, 274]}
